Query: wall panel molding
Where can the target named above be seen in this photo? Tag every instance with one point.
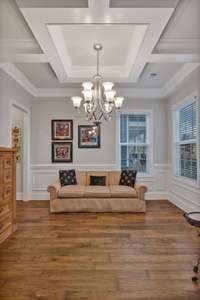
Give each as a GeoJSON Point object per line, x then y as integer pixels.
{"type": "Point", "coordinates": [43, 174]}
{"type": "Point", "coordinates": [161, 185]}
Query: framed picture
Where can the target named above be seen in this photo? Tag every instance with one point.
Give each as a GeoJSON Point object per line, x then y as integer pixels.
{"type": "Point", "coordinates": [62, 152]}
{"type": "Point", "coordinates": [88, 136]}
{"type": "Point", "coordinates": [62, 129]}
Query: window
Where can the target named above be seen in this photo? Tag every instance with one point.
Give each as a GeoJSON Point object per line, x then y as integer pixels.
{"type": "Point", "coordinates": [186, 140]}
{"type": "Point", "coordinates": [134, 142]}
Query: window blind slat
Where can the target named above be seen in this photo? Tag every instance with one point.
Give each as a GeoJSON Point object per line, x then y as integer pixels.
{"type": "Point", "coordinates": [186, 141]}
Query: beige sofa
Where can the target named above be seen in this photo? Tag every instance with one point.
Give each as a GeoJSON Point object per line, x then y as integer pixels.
{"type": "Point", "coordinates": [85, 198]}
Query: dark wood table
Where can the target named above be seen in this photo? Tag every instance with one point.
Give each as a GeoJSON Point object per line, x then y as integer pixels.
{"type": "Point", "coordinates": [193, 219]}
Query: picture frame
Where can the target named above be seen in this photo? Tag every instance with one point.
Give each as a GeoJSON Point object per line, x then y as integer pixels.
{"type": "Point", "coordinates": [89, 136]}
{"type": "Point", "coordinates": [62, 152]}
{"type": "Point", "coordinates": [61, 130]}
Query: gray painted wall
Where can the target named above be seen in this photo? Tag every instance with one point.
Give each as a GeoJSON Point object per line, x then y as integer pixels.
{"type": "Point", "coordinates": [9, 89]}
{"type": "Point", "coordinates": [44, 110]}
{"type": "Point", "coordinates": [181, 192]}
{"type": "Point", "coordinates": [188, 86]}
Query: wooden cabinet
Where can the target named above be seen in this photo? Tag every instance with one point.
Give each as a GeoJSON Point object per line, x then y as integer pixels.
{"type": "Point", "coordinates": [7, 192]}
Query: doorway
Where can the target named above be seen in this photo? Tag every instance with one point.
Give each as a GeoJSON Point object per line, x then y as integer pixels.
{"type": "Point", "coordinates": [20, 137]}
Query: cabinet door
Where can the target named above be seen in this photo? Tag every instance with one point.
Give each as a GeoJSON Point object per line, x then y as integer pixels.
{"type": "Point", "coordinates": [1, 178]}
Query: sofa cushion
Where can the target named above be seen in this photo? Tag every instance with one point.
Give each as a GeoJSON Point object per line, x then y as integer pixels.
{"type": "Point", "coordinates": [67, 177]}
{"type": "Point", "coordinates": [97, 192]}
{"type": "Point", "coordinates": [122, 191]}
{"type": "Point", "coordinates": [114, 177]}
{"type": "Point", "coordinates": [128, 177]}
{"type": "Point", "coordinates": [71, 191]}
{"type": "Point", "coordinates": [81, 177]}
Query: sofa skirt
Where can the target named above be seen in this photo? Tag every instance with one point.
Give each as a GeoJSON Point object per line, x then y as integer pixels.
{"type": "Point", "coordinates": [97, 205]}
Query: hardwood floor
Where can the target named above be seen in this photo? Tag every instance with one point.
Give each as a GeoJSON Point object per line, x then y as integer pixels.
{"type": "Point", "coordinates": [88, 256]}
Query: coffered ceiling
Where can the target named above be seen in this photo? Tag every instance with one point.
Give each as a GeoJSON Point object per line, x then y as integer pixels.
{"type": "Point", "coordinates": [47, 45]}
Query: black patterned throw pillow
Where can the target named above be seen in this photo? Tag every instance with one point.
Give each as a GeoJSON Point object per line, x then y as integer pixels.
{"type": "Point", "coordinates": [67, 177]}
{"type": "Point", "coordinates": [128, 177]}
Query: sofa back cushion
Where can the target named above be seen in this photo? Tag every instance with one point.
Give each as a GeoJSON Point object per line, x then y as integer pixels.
{"type": "Point", "coordinates": [98, 180]}
{"type": "Point", "coordinates": [81, 177]}
{"type": "Point", "coordinates": [97, 173]}
{"type": "Point", "coordinates": [114, 177]}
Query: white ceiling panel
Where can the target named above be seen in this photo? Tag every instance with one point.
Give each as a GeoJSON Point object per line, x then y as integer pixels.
{"type": "Point", "coordinates": [164, 72]}
{"type": "Point", "coordinates": [41, 75]}
{"type": "Point", "coordinates": [115, 40]}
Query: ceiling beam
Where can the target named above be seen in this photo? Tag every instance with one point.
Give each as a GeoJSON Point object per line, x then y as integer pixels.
{"type": "Point", "coordinates": [174, 58]}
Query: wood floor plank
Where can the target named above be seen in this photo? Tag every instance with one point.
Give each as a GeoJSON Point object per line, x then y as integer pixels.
{"type": "Point", "coordinates": [104, 256]}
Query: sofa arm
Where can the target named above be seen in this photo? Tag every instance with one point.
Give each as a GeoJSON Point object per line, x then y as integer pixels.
{"type": "Point", "coordinates": [53, 189]}
{"type": "Point", "coordinates": [141, 189]}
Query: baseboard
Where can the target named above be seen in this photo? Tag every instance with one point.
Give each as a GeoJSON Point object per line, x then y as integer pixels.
{"type": "Point", "coordinates": [156, 195]}
{"type": "Point", "coordinates": [39, 196]}
{"type": "Point", "coordinates": [19, 196]}
{"type": "Point", "coordinates": [184, 204]}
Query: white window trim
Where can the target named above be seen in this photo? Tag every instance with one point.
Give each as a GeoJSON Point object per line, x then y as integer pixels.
{"type": "Point", "coordinates": [186, 101]}
{"type": "Point", "coordinates": [149, 113]}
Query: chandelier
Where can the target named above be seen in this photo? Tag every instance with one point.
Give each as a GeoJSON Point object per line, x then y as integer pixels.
{"type": "Point", "coordinates": [99, 97]}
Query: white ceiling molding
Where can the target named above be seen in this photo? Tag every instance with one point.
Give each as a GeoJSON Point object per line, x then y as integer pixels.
{"type": "Point", "coordinates": [163, 92]}
{"type": "Point", "coordinates": [130, 92]}
{"type": "Point", "coordinates": [159, 43]}
{"type": "Point", "coordinates": [174, 58]}
{"type": "Point", "coordinates": [19, 77]}
{"type": "Point", "coordinates": [178, 45]}
{"type": "Point", "coordinates": [184, 72]}
{"type": "Point", "coordinates": [97, 13]}
{"type": "Point", "coordinates": [77, 71]}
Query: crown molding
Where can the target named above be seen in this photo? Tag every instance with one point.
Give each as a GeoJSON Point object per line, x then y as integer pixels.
{"type": "Point", "coordinates": [19, 77]}
{"type": "Point", "coordinates": [163, 92]}
{"type": "Point", "coordinates": [126, 92]}
{"type": "Point", "coordinates": [178, 77]}
{"type": "Point", "coordinates": [180, 45]}
{"type": "Point", "coordinates": [174, 58]}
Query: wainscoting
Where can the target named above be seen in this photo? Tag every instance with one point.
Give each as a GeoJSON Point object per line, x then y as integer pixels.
{"type": "Point", "coordinates": [42, 175]}
{"type": "Point", "coordinates": [161, 184]}
{"type": "Point", "coordinates": [183, 194]}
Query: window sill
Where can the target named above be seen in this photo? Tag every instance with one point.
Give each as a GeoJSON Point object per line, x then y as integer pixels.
{"type": "Point", "coordinates": [186, 181]}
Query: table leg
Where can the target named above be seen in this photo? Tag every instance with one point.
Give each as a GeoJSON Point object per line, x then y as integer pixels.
{"type": "Point", "coordinates": [196, 270]}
